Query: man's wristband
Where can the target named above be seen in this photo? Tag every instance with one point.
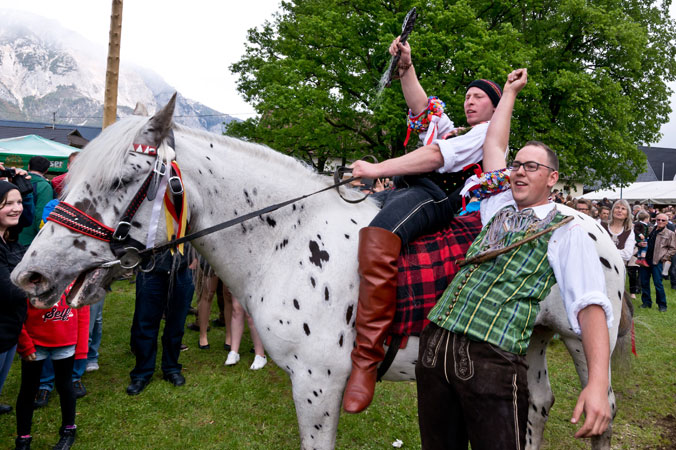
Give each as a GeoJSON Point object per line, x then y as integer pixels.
{"type": "Point", "coordinates": [403, 68]}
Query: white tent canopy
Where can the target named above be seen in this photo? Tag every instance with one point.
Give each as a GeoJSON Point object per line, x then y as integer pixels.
{"type": "Point", "coordinates": [655, 192]}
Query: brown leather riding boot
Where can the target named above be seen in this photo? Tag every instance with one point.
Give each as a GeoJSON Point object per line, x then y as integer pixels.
{"type": "Point", "coordinates": [378, 252]}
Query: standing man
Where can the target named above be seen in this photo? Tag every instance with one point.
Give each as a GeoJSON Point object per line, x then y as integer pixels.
{"type": "Point", "coordinates": [425, 199]}
{"type": "Point", "coordinates": [154, 298]}
{"type": "Point", "coordinates": [42, 194]}
{"type": "Point", "coordinates": [471, 373]}
{"type": "Point", "coordinates": [661, 246]}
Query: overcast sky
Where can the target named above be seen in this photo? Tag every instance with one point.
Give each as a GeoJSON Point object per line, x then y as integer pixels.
{"type": "Point", "coordinates": [191, 44]}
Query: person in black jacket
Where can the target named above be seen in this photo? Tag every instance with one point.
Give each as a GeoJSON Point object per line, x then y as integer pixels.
{"type": "Point", "coordinates": [13, 216]}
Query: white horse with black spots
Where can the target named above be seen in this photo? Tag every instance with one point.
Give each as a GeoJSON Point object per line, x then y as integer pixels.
{"type": "Point", "coordinates": [294, 270]}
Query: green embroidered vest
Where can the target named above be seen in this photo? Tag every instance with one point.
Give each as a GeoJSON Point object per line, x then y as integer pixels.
{"type": "Point", "coordinates": [497, 300]}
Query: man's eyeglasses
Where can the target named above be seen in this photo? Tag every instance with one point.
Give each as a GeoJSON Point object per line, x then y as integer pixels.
{"type": "Point", "coordinates": [528, 166]}
{"type": "Point", "coordinates": [661, 220]}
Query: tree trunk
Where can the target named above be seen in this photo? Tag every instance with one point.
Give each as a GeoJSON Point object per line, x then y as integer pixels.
{"type": "Point", "coordinates": [113, 68]}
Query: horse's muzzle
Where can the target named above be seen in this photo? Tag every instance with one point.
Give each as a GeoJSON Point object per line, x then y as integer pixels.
{"type": "Point", "coordinates": [40, 288]}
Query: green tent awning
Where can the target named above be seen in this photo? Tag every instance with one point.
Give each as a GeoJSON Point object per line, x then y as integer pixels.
{"type": "Point", "coordinates": [17, 151]}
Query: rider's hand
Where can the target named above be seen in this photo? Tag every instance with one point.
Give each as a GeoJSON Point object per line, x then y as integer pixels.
{"type": "Point", "coordinates": [405, 49]}
{"type": "Point", "coordinates": [363, 169]}
{"type": "Point", "coordinates": [594, 402]}
{"type": "Point", "coordinates": [516, 80]}
{"type": "Point", "coordinates": [32, 357]}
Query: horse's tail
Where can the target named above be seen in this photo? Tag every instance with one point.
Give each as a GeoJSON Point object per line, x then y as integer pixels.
{"type": "Point", "coordinates": [624, 346]}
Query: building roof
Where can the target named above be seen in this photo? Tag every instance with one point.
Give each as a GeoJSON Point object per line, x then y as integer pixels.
{"type": "Point", "coordinates": [61, 135]}
{"type": "Point", "coordinates": [86, 132]}
{"type": "Point", "coordinates": [661, 162]}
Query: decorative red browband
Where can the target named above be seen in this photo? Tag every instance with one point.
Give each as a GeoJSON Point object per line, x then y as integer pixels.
{"type": "Point", "coordinates": [145, 149]}
{"type": "Point", "coordinates": [71, 217]}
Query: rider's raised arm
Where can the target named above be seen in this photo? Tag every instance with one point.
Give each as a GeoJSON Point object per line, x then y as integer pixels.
{"type": "Point", "coordinates": [415, 95]}
{"type": "Point", "coordinates": [497, 136]}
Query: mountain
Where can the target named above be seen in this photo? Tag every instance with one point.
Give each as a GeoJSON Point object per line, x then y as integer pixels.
{"type": "Point", "coordinates": [47, 69]}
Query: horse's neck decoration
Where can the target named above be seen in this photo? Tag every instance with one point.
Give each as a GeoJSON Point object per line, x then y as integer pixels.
{"type": "Point", "coordinates": [294, 270]}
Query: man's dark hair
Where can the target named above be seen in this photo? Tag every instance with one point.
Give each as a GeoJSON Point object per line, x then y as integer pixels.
{"type": "Point", "coordinates": [38, 164]}
{"type": "Point", "coordinates": [585, 201]}
{"type": "Point", "coordinates": [551, 156]}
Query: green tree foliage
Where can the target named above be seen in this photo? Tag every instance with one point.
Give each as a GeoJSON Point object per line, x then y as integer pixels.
{"type": "Point", "coordinates": [598, 72]}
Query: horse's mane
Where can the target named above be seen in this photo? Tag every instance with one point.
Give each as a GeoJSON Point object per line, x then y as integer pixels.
{"type": "Point", "coordinates": [254, 150]}
{"type": "Point", "coordinates": [101, 163]}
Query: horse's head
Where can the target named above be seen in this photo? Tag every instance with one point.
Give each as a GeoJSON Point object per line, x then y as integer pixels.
{"type": "Point", "coordinates": [103, 183]}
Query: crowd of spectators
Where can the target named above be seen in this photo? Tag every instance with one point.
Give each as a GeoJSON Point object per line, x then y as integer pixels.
{"type": "Point", "coordinates": [646, 237]}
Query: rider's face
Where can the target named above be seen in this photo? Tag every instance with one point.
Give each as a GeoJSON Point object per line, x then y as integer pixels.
{"type": "Point", "coordinates": [478, 106]}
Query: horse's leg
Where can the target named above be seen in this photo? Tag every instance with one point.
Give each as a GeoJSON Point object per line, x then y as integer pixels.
{"type": "Point", "coordinates": [540, 395]}
{"type": "Point", "coordinates": [574, 346]}
{"type": "Point", "coordinates": [317, 394]}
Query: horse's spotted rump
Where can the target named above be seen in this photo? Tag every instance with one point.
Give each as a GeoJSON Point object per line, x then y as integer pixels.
{"type": "Point", "coordinates": [348, 314]}
{"type": "Point", "coordinates": [317, 255]}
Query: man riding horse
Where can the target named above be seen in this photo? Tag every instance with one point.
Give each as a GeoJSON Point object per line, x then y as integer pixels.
{"type": "Point", "coordinates": [424, 201]}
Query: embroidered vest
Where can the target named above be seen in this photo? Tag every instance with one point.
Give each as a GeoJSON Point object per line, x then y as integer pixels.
{"type": "Point", "coordinates": [620, 239]}
{"type": "Point", "coordinates": [497, 300]}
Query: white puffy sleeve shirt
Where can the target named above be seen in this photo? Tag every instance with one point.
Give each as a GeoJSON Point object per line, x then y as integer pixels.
{"type": "Point", "coordinates": [572, 256]}
{"type": "Point", "coordinates": [460, 151]}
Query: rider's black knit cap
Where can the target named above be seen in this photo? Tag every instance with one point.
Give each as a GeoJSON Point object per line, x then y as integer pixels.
{"type": "Point", "coordinates": [489, 87]}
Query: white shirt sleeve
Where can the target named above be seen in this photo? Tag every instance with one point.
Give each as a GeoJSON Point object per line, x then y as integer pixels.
{"type": "Point", "coordinates": [461, 151]}
{"type": "Point", "coordinates": [628, 250]}
{"type": "Point", "coordinates": [444, 126]}
{"type": "Point", "coordinates": [572, 255]}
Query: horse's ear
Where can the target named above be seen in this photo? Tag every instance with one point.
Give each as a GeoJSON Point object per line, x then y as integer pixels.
{"type": "Point", "coordinates": [159, 126]}
{"type": "Point", "coordinates": [140, 110]}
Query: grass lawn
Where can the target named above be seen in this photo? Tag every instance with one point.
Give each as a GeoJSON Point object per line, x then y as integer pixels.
{"type": "Point", "coordinates": [236, 408]}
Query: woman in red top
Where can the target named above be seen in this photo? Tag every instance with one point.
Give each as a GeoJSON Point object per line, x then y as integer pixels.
{"type": "Point", "coordinates": [61, 333]}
